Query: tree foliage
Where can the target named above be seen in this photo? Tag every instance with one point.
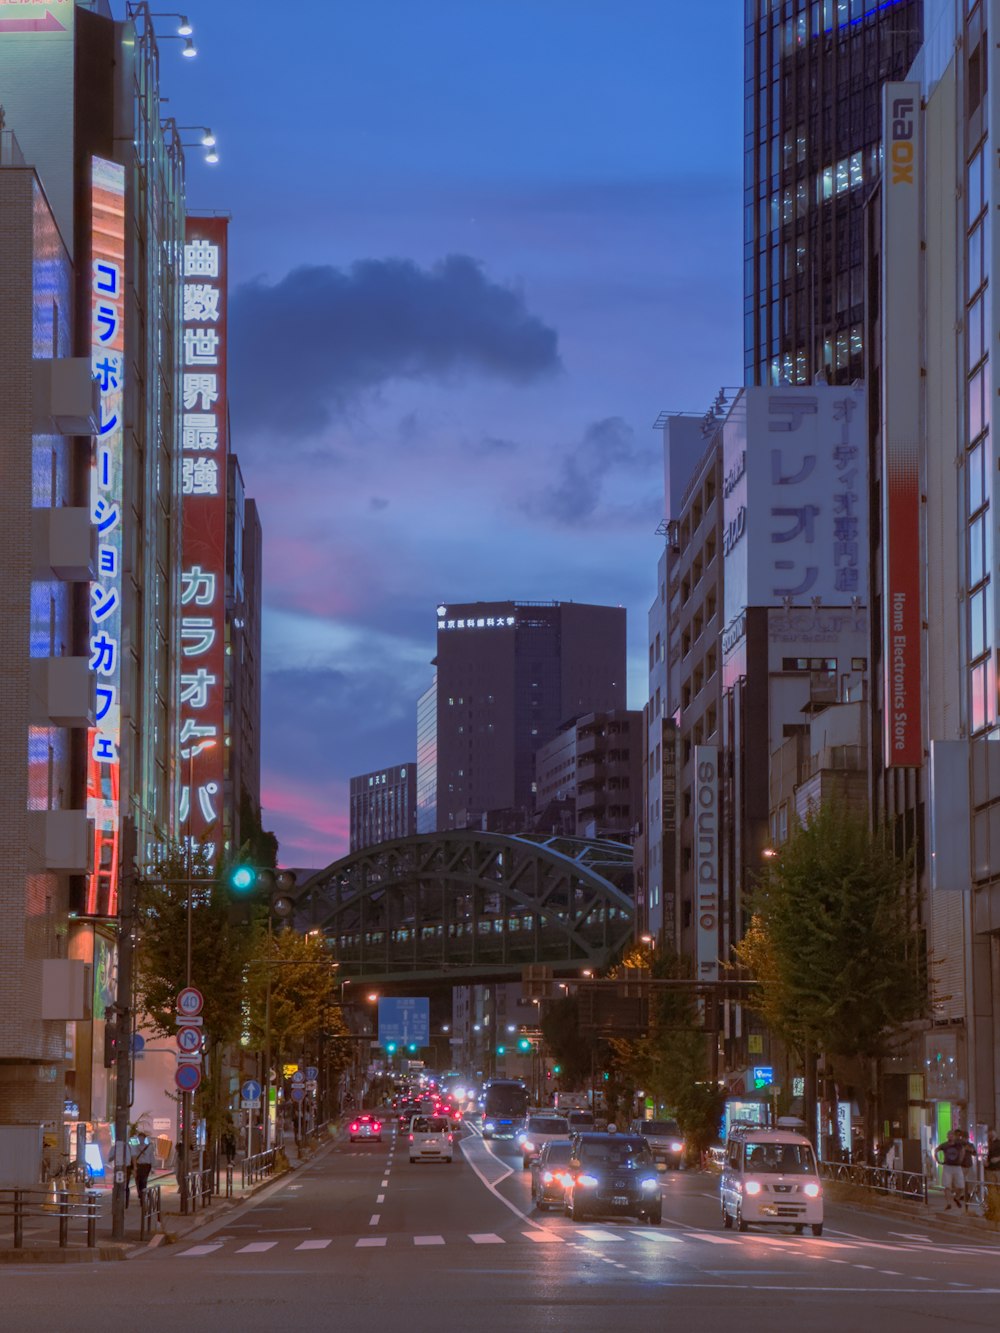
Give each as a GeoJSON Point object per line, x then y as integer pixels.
{"type": "Point", "coordinates": [303, 997]}
{"type": "Point", "coordinates": [575, 1053]}
{"type": "Point", "coordinates": [833, 942]}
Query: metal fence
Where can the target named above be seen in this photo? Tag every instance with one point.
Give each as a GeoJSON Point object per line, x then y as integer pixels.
{"type": "Point", "coordinates": [258, 1166]}
{"type": "Point", "coordinates": [63, 1205]}
{"type": "Point", "coordinates": [150, 1215]}
{"type": "Point", "coordinates": [878, 1179]}
{"type": "Point", "coordinates": [200, 1187]}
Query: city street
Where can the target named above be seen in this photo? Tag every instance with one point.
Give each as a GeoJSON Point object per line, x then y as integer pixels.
{"type": "Point", "coordinates": [362, 1240]}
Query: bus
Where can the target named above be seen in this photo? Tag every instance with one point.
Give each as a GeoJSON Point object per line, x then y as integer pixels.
{"type": "Point", "coordinates": [505, 1104]}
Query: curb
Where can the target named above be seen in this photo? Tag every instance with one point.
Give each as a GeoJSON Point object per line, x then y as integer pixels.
{"type": "Point", "coordinates": [965, 1223]}
{"type": "Point", "coordinates": [100, 1254]}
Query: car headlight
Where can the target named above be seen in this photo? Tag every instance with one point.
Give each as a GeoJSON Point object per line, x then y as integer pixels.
{"type": "Point", "coordinates": [812, 1189]}
{"type": "Point", "coordinates": [677, 1147]}
{"type": "Point", "coordinates": [527, 1145]}
{"type": "Point", "coordinates": [587, 1181]}
{"type": "Point", "coordinates": [752, 1187]}
{"type": "Point", "coordinates": [650, 1183]}
{"type": "Point", "coordinates": [490, 1126]}
{"type": "Point", "coordinates": [547, 1177]}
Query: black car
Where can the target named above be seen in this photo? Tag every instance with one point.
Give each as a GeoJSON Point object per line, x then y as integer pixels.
{"type": "Point", "coordinates": [613, 1175]}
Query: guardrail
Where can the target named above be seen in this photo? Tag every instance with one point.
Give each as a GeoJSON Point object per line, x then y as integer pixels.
{"type": "Point", "coordinates": [150, 1215]}
{"type": "Point", "coordinates": [199, 1188]}
{"type": "Point", "coordinates": [258, 1166]}
{"type": "Point", "coordinates": [66, 1205]}
{"type": "Point", "coordinates": [878, 1179]}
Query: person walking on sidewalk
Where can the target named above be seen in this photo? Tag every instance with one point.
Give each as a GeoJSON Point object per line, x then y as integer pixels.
{"type": "Point", "coordinates": [993, 1158]}
{"type": "Point", "coordinates": [142, 1162]}
{"type": "Point", "coordinates": [229, 1141]}
{"type": "Point", "coordinates": [951, 1154]}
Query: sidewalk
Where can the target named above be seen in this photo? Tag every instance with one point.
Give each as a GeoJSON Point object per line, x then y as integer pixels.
{"type": "Point", "coordinates": [932, 1213]}
{"type": "Point", "coordinates": [41, 1233]}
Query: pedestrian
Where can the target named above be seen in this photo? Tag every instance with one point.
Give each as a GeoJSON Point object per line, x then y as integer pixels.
{"type": "Point", "coordinates": [142, 1162]}
{"type": "Point", "coordinates": [950, 1154]}
{"type": "Point", "coordinates": [229, 1141]}
{"type": "Point", "coordinates": [993, 1157]}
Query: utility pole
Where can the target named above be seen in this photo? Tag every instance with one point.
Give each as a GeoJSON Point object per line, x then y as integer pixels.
{"type": "Point", "coordinates": [123, 1019]}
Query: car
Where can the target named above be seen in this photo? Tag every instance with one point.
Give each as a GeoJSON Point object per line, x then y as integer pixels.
{"type": "Point", "coordinates": [365, 1127]}
{"type": "Point", "coordinates": [666, 1142]}
{"type": "Point", "coordinates": [431, 1139]}
{"type": "Point", "coordinates": [580, 1121]}
{"type": "Point", "coordinates": [770, 1178]}
{"type": "Point", "coordinates": [551, 1175]}
{"type": "Point", "coordinates": [613, 1175]}
{"type": "Point", "coordinates": [538, 1130]}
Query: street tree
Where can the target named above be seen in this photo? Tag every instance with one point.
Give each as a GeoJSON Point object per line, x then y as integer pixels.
{"type": "Point", "coordinates": [835, 945]}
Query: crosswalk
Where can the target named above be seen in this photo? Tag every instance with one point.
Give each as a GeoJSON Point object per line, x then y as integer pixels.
{"type": "Point", "coordinates": [665, 1241]}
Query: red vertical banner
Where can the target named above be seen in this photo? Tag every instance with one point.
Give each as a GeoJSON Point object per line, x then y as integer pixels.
{"type": "Point", "coordinates": [201, 746]}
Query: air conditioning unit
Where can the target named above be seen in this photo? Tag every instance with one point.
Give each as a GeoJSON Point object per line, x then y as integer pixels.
{"type": "Point", "coordinates": [66, 398]}
{"type": "Point", "coordinates": [61, 841]}
{"type": "Point", "coordinates": [62, 692]}
{"type": "Point", "coordinates": [63, 545]}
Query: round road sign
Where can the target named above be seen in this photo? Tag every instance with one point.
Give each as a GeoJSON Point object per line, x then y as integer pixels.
{"type": "Point", "coordinates": [187, 1077]}
{"type": "Point", "coordinates": [250, 1091]}
{"type": "Point", "coordinates": [190, 1002]}
{"type": "Point", "coordinates": [298, 1092]}
{"type": "Point", "coordinates": [298, 1077]}
{"type": "Point", "coordinates": [189, 1040]}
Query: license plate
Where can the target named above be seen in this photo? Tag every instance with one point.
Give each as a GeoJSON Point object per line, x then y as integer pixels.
{"type": "Point", "coordinates": [620, 1200]}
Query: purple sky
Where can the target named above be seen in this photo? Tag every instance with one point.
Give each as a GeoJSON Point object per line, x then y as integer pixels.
{"type": "Point", "coordinates": [476, 247]}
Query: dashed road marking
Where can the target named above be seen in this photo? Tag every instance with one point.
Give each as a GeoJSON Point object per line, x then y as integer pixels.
{"type": "Point", "coordinates": [374, 1220]}
{"type": "Point", "coordinates": [428, 1240]}
{"type": "Point", "coordinates": [257, 1247]}
{"type": "Point", "coordinates": [314, 1244]}
{"type": "Point", "coordinates": [486, 1238]}
{"type": "Point", "coordinates": [366, 1242]}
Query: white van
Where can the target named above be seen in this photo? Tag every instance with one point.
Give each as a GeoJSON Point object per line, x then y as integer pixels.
{"type": "Point", "coordinates": [770, 1178]}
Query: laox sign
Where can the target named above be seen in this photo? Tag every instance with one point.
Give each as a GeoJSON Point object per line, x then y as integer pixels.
{"type": "Point", "coordinates": [901, 152]}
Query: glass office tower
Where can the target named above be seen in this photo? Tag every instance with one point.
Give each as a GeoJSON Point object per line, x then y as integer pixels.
{"type": "Point", "coordinates": [812, 152]}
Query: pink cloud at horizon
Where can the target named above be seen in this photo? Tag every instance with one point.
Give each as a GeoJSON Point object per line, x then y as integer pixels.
{"type": "Point", "coordinates": [310, 822]}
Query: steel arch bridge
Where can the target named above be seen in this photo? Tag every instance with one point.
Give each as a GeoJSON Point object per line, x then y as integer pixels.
{"type": "Point", "coordinates": [472, 904]}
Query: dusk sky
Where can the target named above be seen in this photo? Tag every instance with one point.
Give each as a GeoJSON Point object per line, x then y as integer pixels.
{"type": "Point", "coordinates": [476, 247]}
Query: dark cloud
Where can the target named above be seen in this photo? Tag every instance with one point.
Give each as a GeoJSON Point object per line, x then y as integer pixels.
{"type": "Point", "coordinates": [494, 444]}
{"type": "Point", "coordinates": [608, 446]}
{"type": "Point", "coordinates": [304, 348]}
{"type": "Point", "coordinates": [378, 502]}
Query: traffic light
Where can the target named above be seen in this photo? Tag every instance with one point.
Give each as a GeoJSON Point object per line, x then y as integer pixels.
{"type": "Point", "coordinates": [248, 883]}
{"type": "Point", "coordinates": [501, 1050]}
{"type": "Point", "coordinates": [243, 879]}
{"type": "Point", "coordinates": [390, 1048]}
{"type": "Point", "coordinates": [557, 1069]}
{"type": "Point", "coordinates": [412, 1048]}
{"type": "Point", "coordinates": [524, 1044]}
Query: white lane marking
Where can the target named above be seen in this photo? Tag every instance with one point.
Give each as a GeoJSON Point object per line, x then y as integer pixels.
{"type": "Point", "coordinates": [196, 1251]}
{"type": "Point", "coordinates": [428, 1240]}
{"type": "Point", "coordinates": [385, 1183]}
{"type": "Point", "coordinates": [662, 1237]}
{"type": "Point", "coordinates": [257, 1247]}
{"type": "Point", "coordinates": [295, 1187]}
{"type": "Point", "coordinates": [281, 1231]}
{"type": "Point", "coordinates": [380, 1198]}
{"type": "Point", "coordinates": [713, 1240]}
{"type": "Point", "coordinates": [314, 1244]}
{"type": "Point", "coordinates": [910, 1235]}
{"type": "Point", "coordinates": [486, 1238]}
{"type": "Point", "coordinates": [595, 1233]}
{"type": "Point", "coordinates": [543, 1237]}
{"type": "Point", "coordinates": [374, 1220]}
{"type": "Point", "coordinates": [369, 1241]}
{"type": "Point", "coordinates": [508, 1171]}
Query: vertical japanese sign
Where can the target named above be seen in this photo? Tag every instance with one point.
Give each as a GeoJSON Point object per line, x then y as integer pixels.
{"type": "Point", "coordinates": [706, 859]}
{"type": "Point", "coordinates": [108, 362]}
{"type": "Point", "coordinates": [901, 361]}
{"type": "Point", "coordinates": [204, 422]}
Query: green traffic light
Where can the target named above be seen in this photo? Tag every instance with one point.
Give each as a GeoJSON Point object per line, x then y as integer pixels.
{"type": "Point", "coordinates": [501, 1050]}
{"type": "Point", "coordinates": [390, 1047]}
{"type": "Point", "coordinates": [412, 1048]}
{"type": "Point", "coordinates": [242, 878]}
{"type": "Point", "coordinates": [557, 1069]}
{"type": "Point", "coordinates": [524, 1044]}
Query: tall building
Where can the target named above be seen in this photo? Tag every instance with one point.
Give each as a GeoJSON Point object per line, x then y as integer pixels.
{"type": "Point", "coordinates": [812, 134]}
{"type": "Point", "coordinates": [935, 728]}
{"type": "Point", "coordinates": [592, 772]}
{"type": "Point", "coordinates": [95, 282]}
{"type": "Point", "coordinates": [244, 588]}
{"type": "Point", "coordinates": [427, 760]}
{"type": "Point", "coordinates": [508, 675]}
{"type": "Point", "coordinates": [383, 805]}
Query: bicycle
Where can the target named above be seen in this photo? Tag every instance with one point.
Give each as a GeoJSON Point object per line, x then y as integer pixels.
{"type": "Point", "coordinates": [68, 1172]}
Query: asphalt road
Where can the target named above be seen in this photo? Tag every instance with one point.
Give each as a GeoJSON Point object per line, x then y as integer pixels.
{"type": "Point", "coordinates": [362, 1241]}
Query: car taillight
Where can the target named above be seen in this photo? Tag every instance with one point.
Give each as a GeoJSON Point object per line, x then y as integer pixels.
{"type": "Point", "coordinates": [411, 1138]}
{"type": "Point", "coordinates": [354, 1127]}
{"type": "Point", "coordinates": [451, 1138]}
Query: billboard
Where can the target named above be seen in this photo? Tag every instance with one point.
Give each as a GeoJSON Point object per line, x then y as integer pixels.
{"type": "Point", "coordinates": [902, 358]}
{"type": "Point", "coordinates": [707, 860]}
{"type": "Point", "coordinates": [107, 340]}
{"type": "Point", "coordinates": [204, 422]}
{"type": "Point", "coordinates": [795, 500]}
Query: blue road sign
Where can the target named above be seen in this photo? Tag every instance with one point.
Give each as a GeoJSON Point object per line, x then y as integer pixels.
{"type": "Point", "coordinates": [763, 1075]}
{"type": "Point", "coordinates": [298, 1093]}
{"type": "Point", "coordinates": [312, 1073]}
{"type": "Point", "coordinates": [298, 1077]}
{"type": "Point", "coordinates": [138, 1043]}
{"type": "Point", "coordinates": [250, 1091]}
{"type": "Point", "coordinates": [405, 1020]}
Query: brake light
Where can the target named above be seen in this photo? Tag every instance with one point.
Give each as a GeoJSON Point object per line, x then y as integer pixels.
{"type": "Point", "coordinates": [378, 1124]}
{"type": "Point", "coordinates": [411, 1138]}
{"type": "Point", "coordinates": [451, 1138]}
{"type": "Point", "coordinates": [354, 1127]}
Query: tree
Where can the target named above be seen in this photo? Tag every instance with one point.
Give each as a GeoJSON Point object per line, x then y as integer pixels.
{"type": "Point", "coordinates": [835, 945]}
{"type": "Point", "coordinates": [219, 950]}
{"type": "Point", "coordinates": [575, 1053]}
{"type": "Point", "coordinates": [671, 1061]}
{"type": "Point", "coordinates": [303, 1009]}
